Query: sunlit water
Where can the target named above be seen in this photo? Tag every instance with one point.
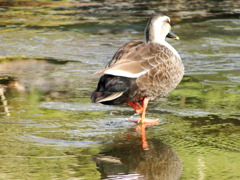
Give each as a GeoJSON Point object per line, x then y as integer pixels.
{"type": "Point", "coordinates": [55, 132]}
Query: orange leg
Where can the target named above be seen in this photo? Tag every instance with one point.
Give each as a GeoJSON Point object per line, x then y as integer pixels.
{"type": "Point", "coordinates": [142, 118]}
{"type": "Point", "coordinates": [136, 106]}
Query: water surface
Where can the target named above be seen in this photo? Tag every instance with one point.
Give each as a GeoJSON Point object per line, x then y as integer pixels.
{"type": "Point", "coordinates": [48, 53]}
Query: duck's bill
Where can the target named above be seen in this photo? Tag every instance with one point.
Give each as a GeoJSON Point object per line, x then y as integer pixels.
{"type": "Point", "coordinates": [172, 36]}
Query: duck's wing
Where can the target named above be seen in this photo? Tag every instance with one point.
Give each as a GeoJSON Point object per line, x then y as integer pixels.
{"type": "Point", "coordinates": [124, 50]}
{"type": "Point", "coordinates": [162, 78]}
{"type": "Point", "coordinates": [136, 58]}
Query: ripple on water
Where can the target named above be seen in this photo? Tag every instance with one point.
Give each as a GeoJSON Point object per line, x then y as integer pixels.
{"type": "Point", "coordinates": [201, 123]}
{"type": "Point", "coordinates": [53, 142]}
{"type": "Point", "coordinates": [70, 106]}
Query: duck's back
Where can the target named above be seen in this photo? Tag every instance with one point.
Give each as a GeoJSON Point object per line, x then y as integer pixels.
{"type": "Point", "coordinates": [147, 70]}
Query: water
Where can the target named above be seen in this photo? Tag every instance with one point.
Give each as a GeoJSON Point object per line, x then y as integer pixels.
{"type": "Point", "coordinates": [48, 53]}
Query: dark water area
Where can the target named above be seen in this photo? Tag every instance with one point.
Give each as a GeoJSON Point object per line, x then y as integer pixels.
{"type": "Point", "coordinates": [50, 129]}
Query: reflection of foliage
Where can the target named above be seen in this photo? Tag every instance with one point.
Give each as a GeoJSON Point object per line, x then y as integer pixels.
{"type": "Point", "coordinates": [42, 162]}
{"type": "Point", "coordinates": [216, 146]}
{"type": "Point", "coordinates": [206, 137]}
{"type": "Point", "coordinates": [200, 120]}
{"type": "Point", "coordinates": [201, 92]}
{"type": "Point", "coordinates": [11, 58]}
{"type": "Point", "coordinates": [198, 139]}
{"type": "Point", "coordinates": [60, 13]}
{"type": "Point", "coordinates": [28, 160]}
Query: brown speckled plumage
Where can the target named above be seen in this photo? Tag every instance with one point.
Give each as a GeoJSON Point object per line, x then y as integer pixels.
{"type": "Point", "coordinates": [165, 70]}
{"type": "Point", "coordinates": [140, 70]}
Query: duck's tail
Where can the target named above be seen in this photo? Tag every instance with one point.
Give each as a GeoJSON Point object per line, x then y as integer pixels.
{"type": "Point", "coordinates": [111, 90]}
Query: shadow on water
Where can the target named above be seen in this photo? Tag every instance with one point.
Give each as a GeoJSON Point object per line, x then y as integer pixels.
{"type": "Point", "coordinates": [131, 159]}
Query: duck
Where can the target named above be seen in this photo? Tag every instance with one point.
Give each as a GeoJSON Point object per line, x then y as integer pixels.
{"type": "Point", "coordinates": [141, 71]}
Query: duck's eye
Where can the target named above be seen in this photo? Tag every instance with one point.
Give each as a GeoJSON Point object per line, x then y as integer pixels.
{"type": "Point", "coordinates": [167, 20]}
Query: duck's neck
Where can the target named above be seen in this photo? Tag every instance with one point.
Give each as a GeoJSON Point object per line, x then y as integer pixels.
{"type": "Point", "coordinates": [153, 34]}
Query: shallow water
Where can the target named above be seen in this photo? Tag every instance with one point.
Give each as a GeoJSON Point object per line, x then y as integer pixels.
{"type": "Point", "coordinates": [48, 52]}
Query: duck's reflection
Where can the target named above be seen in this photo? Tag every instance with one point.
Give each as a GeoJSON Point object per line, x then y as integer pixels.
{"type": "Point", "coordinates": [141, 129]}
{"type": "Point", "coordinates": [139, 159]}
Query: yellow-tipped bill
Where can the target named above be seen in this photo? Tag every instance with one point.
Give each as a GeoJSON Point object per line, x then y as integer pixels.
{"type": "Point", "coordinates": [172, 36]}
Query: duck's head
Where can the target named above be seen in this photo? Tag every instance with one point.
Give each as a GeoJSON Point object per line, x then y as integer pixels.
{"type": "Point", "coordinates": [158, 28]}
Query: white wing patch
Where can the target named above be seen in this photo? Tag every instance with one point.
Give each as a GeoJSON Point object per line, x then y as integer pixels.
{"type": "Point", "coordinates": [132, 69]}
{"type": "Point", "coordinates": [111, 97]}
{"type": "Point", "coordinates": [125, 73]}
